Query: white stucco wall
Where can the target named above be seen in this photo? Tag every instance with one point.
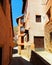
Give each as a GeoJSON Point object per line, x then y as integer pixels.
{"type": "Point", "coordinates": [34, 8]}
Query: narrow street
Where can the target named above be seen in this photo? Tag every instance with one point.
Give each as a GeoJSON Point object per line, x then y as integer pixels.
{"type": "Point", "coordinates": [25, 60]}
{"type": "Point", "coordinates": [19, 59]}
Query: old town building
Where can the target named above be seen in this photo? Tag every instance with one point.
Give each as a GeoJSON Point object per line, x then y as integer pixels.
{"type": "Point", "coordinates": [6, 35]}
{"type": "Point", "coordinates": [37, 18]}
{"type": "Point", "coordinates": [21, 33]}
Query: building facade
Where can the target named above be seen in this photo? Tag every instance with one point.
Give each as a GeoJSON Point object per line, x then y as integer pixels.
{"type": "Point", "coordinates": [21, 33]}
{"type": "Point", "coordinates": [36, 17]}
{"type": "Point", "coordinates": [6, 36]}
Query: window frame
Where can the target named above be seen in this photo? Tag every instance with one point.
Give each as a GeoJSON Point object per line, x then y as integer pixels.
{"type": "Point", "coordinates": [38, 18]}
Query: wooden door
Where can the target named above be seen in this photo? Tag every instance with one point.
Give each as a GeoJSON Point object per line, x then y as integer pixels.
{"type": "Point", "coordinates": [39, 42]}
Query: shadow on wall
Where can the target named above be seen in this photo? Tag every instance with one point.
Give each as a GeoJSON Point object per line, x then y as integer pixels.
{"type": "Point", "coordinates": [37, 59]}
{"type": "Point", "coordinates": [14, 51]}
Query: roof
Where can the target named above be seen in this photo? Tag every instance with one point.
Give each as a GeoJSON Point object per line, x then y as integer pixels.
{"type": "Point", "coordinates": [22, 16]}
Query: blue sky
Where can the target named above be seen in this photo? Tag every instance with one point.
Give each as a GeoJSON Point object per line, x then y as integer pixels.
{"type": "Point", "coordinates": [16, 10]}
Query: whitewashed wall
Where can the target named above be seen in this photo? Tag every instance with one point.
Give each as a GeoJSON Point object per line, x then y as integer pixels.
{"type": "Point", "coordinates": [34, 8]}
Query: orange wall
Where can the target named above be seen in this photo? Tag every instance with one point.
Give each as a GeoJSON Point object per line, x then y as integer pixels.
{"type": "Point", "coordinates": [6, 38]}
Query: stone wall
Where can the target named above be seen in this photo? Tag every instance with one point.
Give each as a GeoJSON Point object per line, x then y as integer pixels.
{"type": "Point", "coordinates": [48, 30]}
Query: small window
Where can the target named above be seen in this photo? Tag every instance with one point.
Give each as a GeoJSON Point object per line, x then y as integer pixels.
{"type": "Point", "coordinates": [27, 37]}
{"type": "Point", "coordinates": [22, 39]}
{"type": "Point", "coordinates": [38, 18]}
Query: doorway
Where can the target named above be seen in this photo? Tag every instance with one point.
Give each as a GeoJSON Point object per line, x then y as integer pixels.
{"type": "Point", "coordinates": [22, 41]}
{"type": "Point", "coordinates": [0, 56]}
{"type": "Point", "coordinates": [39, 42]}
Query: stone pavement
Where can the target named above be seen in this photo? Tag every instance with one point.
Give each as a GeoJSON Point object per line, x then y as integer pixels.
{"type": "Point", "coordinates": [23, 59]}
{"type": "Point", "coordinates": [46, 55]}
{"type": "Point", "coordinates": [20, 59]}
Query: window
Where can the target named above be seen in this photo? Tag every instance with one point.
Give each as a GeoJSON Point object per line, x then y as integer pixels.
{"type": "Point", "coordinates": [38, 18]}
{"type": "Point", "coordinates": [27, 37]}
{"type": "Point", "coordinates": [22, 39]}
{"type": "Point", "coordinates": [26, 31]}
